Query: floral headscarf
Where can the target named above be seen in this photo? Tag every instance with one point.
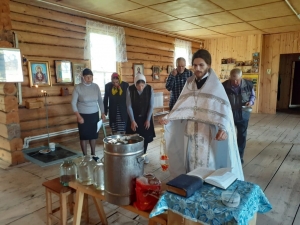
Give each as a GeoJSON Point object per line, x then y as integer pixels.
{"type": "Point", "coordinates": [115, 89]}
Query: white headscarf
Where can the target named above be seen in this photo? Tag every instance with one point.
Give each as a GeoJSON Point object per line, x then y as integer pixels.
{"type": "Point", "coordinates": [139, 77]}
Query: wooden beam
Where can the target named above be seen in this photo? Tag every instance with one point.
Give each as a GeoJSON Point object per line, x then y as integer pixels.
{"type": "Point", "coordinates": [53, 51]}
{"type": "Point", "coordinates": [137, 49]}
{"type": "Point", "coordinates": [140, 42]}
{"type": "Point", "coordinates": [10, 131]}
{"type": "Point", "coordinates": [8, 103]}
{"type": "Point", "coordinates": [13, 158]}
{"type": "Point", "coordinates": [46, 14]}
{"type": "Point", "coordinates": [141, 56]}
{"type": "Point", "coordinates": [53, 121]}
{"type": "Point", "coordinates": [21, 17]}
{"type": "Point", "coordinates": [10, 117]}
{"type": "Point", "coordinates": [40, 29]}
{"type": "Point", "coordinates": [14, 144]}
{"type": "Point", "coordinates": [45, 39]}
{"type": "Point", "coordinates": [8, 89]}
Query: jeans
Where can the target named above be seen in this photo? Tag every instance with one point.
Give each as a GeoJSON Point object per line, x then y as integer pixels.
{"type": "Point", "coordinates": [241, 126]}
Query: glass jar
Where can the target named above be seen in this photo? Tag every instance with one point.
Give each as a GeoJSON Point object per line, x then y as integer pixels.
{"type": "Point", "coordinates": [68, 172]}
{"type": "Point", "coordinates": [99, 176]}
{"type": "Point", "coordinates": [85, 170]}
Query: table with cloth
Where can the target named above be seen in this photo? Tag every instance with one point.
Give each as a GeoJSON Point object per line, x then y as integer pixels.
{"type": "Point", "coordinates": [206, 207]}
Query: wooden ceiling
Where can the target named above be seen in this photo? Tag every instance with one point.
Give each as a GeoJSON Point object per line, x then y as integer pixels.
{"type": "Point", "coordinates": [197, 19]}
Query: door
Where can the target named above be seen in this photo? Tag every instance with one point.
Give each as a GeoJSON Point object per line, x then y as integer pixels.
{"type": "Point", "coordinates": [295, 86]}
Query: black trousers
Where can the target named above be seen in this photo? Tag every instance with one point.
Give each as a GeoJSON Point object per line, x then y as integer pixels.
{"type": "Point", "coordinates": [241, 119]}
{"type": "Point", "coordinates": [241, 127]}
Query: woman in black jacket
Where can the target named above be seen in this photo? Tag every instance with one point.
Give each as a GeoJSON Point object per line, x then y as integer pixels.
{"type": "Point", "coordinates": [115, 103]}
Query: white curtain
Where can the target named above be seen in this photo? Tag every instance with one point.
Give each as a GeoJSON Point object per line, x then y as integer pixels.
{"type": "Point", "coordinates": [105, 29]}
{"type": "Point", "coordinates": [183, 49]}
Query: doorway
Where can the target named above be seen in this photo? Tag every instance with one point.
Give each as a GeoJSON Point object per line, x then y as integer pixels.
{"type": "Point", "coordinates": [285, 77]}
{"type": "Point", "coordinates": [295, 86]}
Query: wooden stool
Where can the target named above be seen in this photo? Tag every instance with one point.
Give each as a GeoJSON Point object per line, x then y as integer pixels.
{"type": "Point", "coordinates": [65, 195]}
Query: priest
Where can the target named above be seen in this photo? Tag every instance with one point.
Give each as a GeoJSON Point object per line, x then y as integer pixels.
{"type": "Point", "coordinates": [199, 130]}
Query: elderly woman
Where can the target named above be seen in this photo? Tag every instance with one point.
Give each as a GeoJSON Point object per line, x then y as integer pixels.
{"type": "Point", "coordinates": [140, 101]}
{"type": "Point", "coordinates": [86, 101]}
{"type": "Point", "coordinates": [115, 103]}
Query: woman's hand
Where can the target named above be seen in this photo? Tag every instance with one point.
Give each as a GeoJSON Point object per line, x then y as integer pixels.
{"type": "Point", "coordinates": [163, 121]}
{"type": "Point", "coordinates": [80, 120]}
{"type": "Point", "coordinates": [133, 126]}
{"type": "Point", "coordinates": [221, 135]}
{"type": "Point", "coordinates": [103, 116]}
{"type": "Point", "coordinates": [147, 124]}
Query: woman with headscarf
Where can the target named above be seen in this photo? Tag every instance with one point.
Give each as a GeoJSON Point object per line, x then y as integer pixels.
{"type": "Point", "coordinates": [86, 101]}
{"type": "Point", "coordinates": [115, 103]}
{"type": "Point", "coordinates": [140, 101]}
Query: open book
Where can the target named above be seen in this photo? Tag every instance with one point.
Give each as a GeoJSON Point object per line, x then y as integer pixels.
{"type": "Point", "coordinates": [221, 178]}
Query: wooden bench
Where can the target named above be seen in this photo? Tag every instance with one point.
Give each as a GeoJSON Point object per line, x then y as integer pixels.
{"type": "Point", "coordinates": [99, 195]}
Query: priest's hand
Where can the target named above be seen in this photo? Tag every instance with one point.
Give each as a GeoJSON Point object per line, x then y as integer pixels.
{"type": "Point", "coordinates": [221, 135]}
{"type": "Point", "coordinates": [133, 126]}
{"type": "Point", "coordinates": [147, 124]}
{"type": "Point", "coordinates": [163, 121]}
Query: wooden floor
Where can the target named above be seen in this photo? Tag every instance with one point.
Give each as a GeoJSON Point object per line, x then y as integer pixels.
{"type": "Point", "coordinates": [272, 160]}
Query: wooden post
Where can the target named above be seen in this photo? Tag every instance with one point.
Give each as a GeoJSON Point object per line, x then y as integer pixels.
{"type": "Point", "coordinates": [10, 142]}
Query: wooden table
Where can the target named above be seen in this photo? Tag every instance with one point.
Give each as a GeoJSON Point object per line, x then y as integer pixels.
{"type": "Point", "coordinates": [99, 195]}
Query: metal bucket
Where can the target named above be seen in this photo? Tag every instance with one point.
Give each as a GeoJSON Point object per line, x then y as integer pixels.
{"type": "Point", "coordinates": [122, 165]}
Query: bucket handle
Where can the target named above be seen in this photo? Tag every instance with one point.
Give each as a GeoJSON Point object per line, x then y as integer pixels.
{"type": "Point", "coordinates": [102, 159]}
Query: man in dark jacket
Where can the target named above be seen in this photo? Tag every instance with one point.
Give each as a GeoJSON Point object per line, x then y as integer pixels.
{"type": "Point", "coordinates": [241, 96]}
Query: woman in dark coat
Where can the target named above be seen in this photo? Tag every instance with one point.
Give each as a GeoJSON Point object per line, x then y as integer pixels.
{"type": "Point", "coordinates": [140, 101]}
{"type": "Point", "coordinates": [115, 103]}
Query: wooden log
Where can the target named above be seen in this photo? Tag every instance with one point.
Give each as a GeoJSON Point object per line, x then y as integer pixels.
{"type": "Point", "coordinates": [45, 22]}
{"type": "Point", "coordinates": [195, 45]}
{"type": "Point", "coordinates": [11, 117]}
{"type": "Point", "coordinates": [12, 158]}
{"type": "Point", "coordinates": [147, 64]}
{"type": "Point", "coordinates": [147, 35]}
{"type": "Point", "coordinates": [28, 92]}
{"type": "Point", "coordinates": [51, 100]}
{"type": "Point", "coordinates": [51, 51]}
{"type": "Point", "coordinates": [29, 133]}
{"type": "Point", "coordinates": [140, 42]}
{"type": "Point", "coordinates": [46, 14]}
{"type": "Point", "coordinates": [53, 111]}
{"type": "Point", "coordinates": [10, 131]}
{"type": "Point", "coordinates": [8, 89]}
{"type": "Point", "coordinates": [156, 85]}
{"type": "Point", "coordinates": [133, 56]}
{"type": "Point", "coordinates": [5, 44]}
{"type": "Point", "coordinates": [130, 48]}
{"type": "Point", "coordinates": [8, 103]}
{"type": "Point", "coordinates": [28, 37]}
{"type": "Point", "coordinates": [52, 121]}
{"type": "Point", "coordinates": [15, 144]}
{"type": "Point", "coordinates": [34, 28]}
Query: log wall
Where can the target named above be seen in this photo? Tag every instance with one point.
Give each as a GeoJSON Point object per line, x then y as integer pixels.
{"type": "Point", "coordinates": [273, 46]}
{"type": "Point", "coordinates": [50, 35]}
{"type": "Point", "coordinates": [238, 48]}
{"type": "Point", "coordinates": [10, 142]}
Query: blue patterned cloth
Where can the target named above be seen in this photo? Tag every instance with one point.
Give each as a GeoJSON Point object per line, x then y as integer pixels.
{"type": "Point", "coordinates": [206, 205]}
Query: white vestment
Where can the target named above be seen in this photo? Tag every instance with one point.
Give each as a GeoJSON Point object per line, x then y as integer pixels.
{"type": "Point", "coordinates": [194, 123]}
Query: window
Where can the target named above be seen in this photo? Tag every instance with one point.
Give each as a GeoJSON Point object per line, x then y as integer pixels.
{"type": "Point", "coordinates": [103, 58]}
{"type": "Point", "coordinates": [105, 45]}
{"type": "Point", "coordinates": [183, 49]}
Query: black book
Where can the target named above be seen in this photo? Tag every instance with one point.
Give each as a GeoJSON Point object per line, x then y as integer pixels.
{"type": "Point", "coordinates": [184, 185]}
